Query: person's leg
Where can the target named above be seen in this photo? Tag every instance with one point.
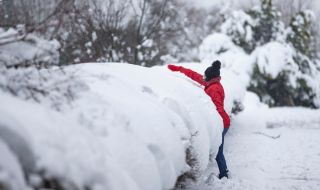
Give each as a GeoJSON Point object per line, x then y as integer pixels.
{"type": "Point", "coordinates": [220, 157]}
{"type": "Point", "coordinates": [223, 160]}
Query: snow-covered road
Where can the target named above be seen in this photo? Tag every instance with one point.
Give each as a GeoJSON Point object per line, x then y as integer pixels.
{"type": "Point", "coordinates": [270, 149]}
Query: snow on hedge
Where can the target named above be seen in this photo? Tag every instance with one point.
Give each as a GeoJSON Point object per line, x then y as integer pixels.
{"type": "Point", "coordinates": [11, 174]}
{"type": "Point", "coordinates": [19, 48]}
{"type": "Point", "coordinates": [128, 129]}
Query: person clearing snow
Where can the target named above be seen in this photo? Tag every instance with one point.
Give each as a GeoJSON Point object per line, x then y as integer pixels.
{"type": "Point", "coordinates": [213, 88]}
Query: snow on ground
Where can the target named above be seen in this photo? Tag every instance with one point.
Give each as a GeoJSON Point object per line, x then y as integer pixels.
{"type": "Point", "coordinates": [128, 129]}
{"type": "Point", "coordinates": [269, 148]}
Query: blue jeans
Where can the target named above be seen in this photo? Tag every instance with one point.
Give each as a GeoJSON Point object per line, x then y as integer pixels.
{"type": "Point", "coordinates": [221, 161]}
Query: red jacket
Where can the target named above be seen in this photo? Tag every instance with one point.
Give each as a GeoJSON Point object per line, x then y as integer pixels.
{"type": "Point", "coordinates": [214, 89]}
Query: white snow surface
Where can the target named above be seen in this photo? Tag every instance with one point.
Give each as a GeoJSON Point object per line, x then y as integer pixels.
{"type": "Point", "coordinates": [128, 130]}
{"type": "Point", "coordinates": [273, 57]}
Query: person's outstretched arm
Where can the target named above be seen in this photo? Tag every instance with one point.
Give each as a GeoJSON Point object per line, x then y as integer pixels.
{"type": "Point", "coordinates": [188, 72]}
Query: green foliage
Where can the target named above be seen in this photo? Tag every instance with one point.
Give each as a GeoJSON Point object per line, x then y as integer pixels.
{"type": "Point", "coordinates": [303, 63]}
{"type": "Point", "coordinates": [300, 34]}
{"type": "Point", "coordinates": [290, 86]}
{"type": "Point", "coordinates": [237, 107]}
{"type": "Point", "coordinates": [273, 91]}
{"type": "Point", "coordinates": [239, 26]}
{"type": "Point", "coordinates": [279, 92]}
{"type": "Point", "coordinates": [268, 22]}
{"type": "Point", "coordinates": [304, 95]}
{"type": "Point", "coordinates": [191, 174]}
{"type": "Point", "coordinates": [256, 27]}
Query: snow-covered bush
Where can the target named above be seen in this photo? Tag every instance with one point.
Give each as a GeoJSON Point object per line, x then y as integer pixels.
{"type": "Point", "coordinates": [278, 80]}
{"type": "Point", "coordinates": [49, 86]}
{"type": "Point", "coordinates": [11, 173]}
{"type": "Point", "coordinates": [121, 132]}
{"type": "Point", "coordinates": [28, 69]}
{"type": "Point", "coordinates": [273, 61]}
{"type": "Point", "coordinates": [300, 32]}
{"type": "Point", "coordinates": [19, 49]}
{"type": "Point", "coordinates": [285, 72]}
{"type": "Point", "coordinates": [268, 26]}
{"type": "Point", "coordinates": [239, 26]}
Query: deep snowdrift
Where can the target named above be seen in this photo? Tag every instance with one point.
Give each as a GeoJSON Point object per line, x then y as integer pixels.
{"type": "Point", "coordinates": [128, 129]}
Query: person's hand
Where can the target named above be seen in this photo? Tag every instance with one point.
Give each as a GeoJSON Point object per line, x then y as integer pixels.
{"type": "Point", "coordinates": [174, 68]}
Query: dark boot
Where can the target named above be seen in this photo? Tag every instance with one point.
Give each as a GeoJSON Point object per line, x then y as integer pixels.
{"type": "Point", "coordinates": [223, 175]}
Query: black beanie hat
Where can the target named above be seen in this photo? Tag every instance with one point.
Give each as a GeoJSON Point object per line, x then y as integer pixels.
{"type": "Point", "coordinates": [212, 71]}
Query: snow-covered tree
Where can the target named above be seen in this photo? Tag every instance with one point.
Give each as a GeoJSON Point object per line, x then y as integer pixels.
{"type": "Point", "coordinates": [279, 79]}
{"type": "Point", "coordinates": [89, 33]}
{"type": "Point", "coordinates": [282, 58]}
{"type": "Point", "coordinates": [239, 26]}
{"type": "Point", "coordinates": [193, 25]}
{"type": "Point", "coordinates": [21, 49]}
{"type": "Point", "coordinates": [300, 32]}
{"type": "Point", "coordinates": [131, 31]}
{"type": "Point", "coordinates": [254, 27]}
{"type": "Point", "coordinates": [146, 29]}
{"type": "Point", "coordinates": [268, 26]}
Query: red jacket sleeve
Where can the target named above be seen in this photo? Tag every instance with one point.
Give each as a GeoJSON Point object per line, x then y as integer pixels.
{"type": "Point", "coordinates": [218, 102]}
{"type": "Point", "coordinates": [192, 75]}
